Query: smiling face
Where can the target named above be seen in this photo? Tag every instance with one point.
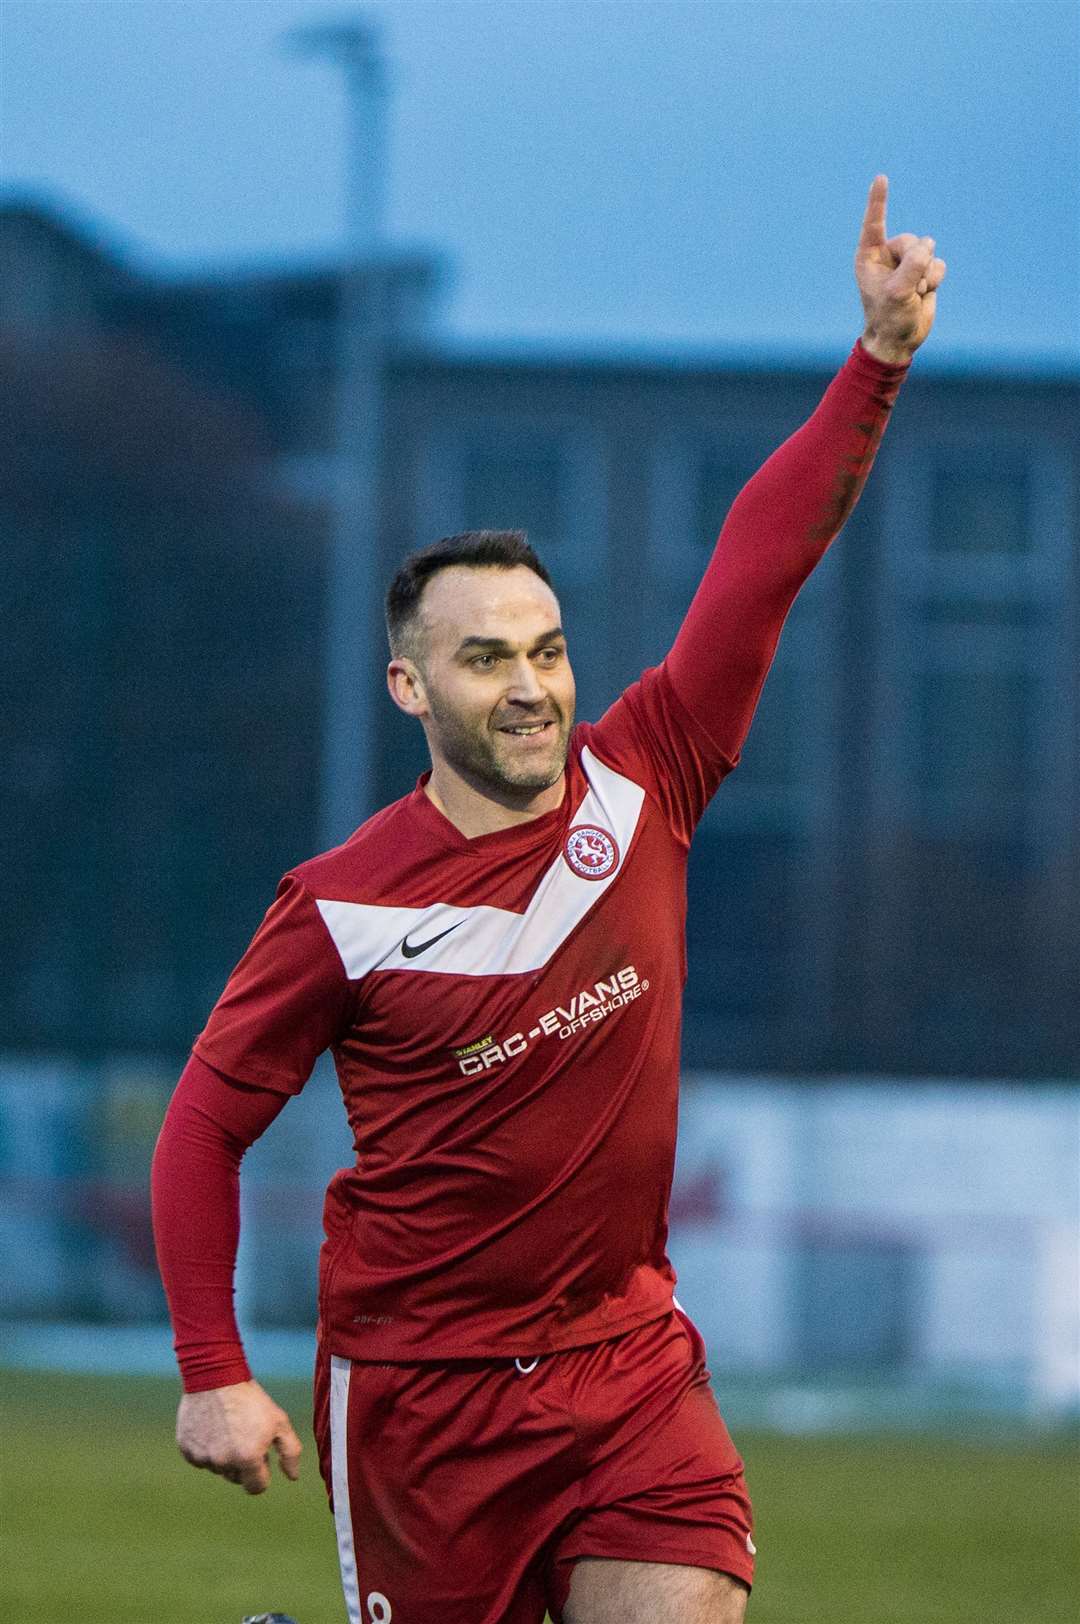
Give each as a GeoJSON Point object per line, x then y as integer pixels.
{"type": "Point", "coordinates": [490, 681]}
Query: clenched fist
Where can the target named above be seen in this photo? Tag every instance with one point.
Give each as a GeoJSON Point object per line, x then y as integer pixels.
{"type": "Point", "coordinates": [231, 1430]}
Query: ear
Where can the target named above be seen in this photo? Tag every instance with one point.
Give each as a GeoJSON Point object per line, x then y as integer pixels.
{"type": "Point", "coordinates": [406, 686]}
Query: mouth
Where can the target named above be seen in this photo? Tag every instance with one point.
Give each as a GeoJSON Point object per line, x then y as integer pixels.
{"type": "Point", "coordinates": [527, 730]}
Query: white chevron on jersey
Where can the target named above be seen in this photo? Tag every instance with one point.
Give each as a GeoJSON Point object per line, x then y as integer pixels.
{"type": "Point", "coordinates": [485, 941]}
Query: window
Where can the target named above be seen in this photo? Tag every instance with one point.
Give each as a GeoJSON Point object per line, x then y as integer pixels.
{"type": "Point", "coordinates": [780, 783]}
{"type": "Point", "coordinates": [973, 739]}
{"type": "Point", "coordinates": [971, 697]}
{"type": "Point", "coordinates": [974, 727]}
{"type": "Point", "coordinates": [979, 505]}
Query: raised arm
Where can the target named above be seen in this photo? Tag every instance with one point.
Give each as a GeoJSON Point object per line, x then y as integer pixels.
{"type": "Point", "coordinates": [785, 517]}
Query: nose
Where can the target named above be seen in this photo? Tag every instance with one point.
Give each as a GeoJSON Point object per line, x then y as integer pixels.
{"type": "Point", "coordinates": [525, 687]}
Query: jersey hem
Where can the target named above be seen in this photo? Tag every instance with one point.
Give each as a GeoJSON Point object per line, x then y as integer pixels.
{"type": "Point", "coordinates": [343, 1347]}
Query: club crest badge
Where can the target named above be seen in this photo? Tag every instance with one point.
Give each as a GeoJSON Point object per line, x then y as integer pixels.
{"type": "Point", "coordinates": [591, 852]}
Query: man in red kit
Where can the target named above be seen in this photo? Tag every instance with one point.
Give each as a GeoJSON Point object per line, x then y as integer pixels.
{"type": "Point", "coordinates": [512, 1413]}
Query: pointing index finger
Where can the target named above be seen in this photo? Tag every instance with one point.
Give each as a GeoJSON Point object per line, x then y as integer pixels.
{"type": "Point", "coordinates": [873, 226]}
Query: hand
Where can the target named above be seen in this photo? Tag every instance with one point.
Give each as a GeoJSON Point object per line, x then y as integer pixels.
{"type": "Point", "coordinates": [229, 1430]}
{"type": "Point", "coordinates": [898, 280]}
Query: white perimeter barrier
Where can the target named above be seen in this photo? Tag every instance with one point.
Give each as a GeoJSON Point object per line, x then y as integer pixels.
{"type": "Point", "coordinates": [846, 1231]}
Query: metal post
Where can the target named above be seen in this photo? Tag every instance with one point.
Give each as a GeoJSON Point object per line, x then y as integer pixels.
{"type": "Point", "coordinates": [352, 652]}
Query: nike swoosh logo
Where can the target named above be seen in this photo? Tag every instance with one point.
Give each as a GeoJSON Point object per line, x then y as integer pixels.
{"type": "Point", "coordinates": [414, 951]}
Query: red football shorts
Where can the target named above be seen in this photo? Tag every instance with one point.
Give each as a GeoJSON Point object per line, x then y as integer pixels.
{"type": "Point", "coordinates": [464, 1493]}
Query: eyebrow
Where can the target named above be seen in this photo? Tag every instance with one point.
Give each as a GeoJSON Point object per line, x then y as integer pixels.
{"type": "Point", "coordinates": [498, 645]}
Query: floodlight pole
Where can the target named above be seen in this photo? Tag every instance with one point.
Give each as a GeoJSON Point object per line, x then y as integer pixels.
{"type": "Point", "coordinates": [352, 648]}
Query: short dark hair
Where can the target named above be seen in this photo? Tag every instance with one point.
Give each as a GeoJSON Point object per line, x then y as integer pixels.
{"type": "Point", "coordinates": [479, 549]}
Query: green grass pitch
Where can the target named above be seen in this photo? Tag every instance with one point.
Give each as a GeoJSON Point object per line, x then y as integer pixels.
{"type": "Point", "coordinates": [103, 1523]}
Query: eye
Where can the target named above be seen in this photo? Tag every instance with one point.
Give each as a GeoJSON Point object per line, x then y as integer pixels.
{"type": "Point", "coordinates": [550, 656]}
{"type": "Point", "coordinates": [484, 662]}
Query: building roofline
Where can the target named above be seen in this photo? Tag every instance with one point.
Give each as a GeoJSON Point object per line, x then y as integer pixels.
{"type": "Point", "coordinates": [63, 220]}
{"type": "Point", "coordinates": [273, 271]}
{"type": "Point", "coordinates": [612, 358]}
{"type": "Point", "coordinates": [155, 277]}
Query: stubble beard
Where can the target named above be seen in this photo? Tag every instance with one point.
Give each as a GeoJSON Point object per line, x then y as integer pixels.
{"type": "Point", "coordinates": [472, 751]}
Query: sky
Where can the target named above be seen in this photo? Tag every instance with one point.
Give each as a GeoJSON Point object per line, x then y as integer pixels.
{"type": "Point", "coordinates": [655, 175]}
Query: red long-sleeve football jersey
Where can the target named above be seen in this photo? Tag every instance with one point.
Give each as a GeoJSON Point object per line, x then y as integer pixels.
{"type": "Point", "coordinates": [504, 1011]}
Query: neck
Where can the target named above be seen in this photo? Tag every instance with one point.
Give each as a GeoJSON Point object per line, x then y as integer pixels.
{"type": "Point", "coordinates": [475, 811]}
